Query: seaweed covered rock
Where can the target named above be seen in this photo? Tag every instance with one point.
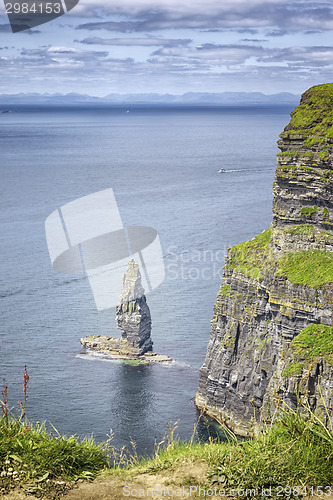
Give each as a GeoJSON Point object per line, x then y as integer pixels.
{"type": "Point", "coordinates": [277, 286]}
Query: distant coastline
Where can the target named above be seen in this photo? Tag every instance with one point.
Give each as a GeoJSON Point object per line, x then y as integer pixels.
{"type": "Point", "coordinates": [200, 99]}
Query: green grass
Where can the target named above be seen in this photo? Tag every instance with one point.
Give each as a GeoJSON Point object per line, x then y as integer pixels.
{"type": "Point", "coordinates": [313, 120]}
{"type": "Point", "coordinates": [293, 451]}
{"type": "Point", "coordinates": [293, 369]}
{"type": "Point", "coordinates": [31, 454]}
{"type": "Point", "coordinates": [325, 214]}
{"type": "Point", "coordinates": [254, 259]}
{"type": "Point", "coordinates": [312, 268]}
{"type": "Point", "coordinates": [315, 113]}
{"type": "Point", "coordinates": [251, 256]}
{"type": "Point", "coordinates": [313, 342]}
{"type": "Point", "coordinates": [288, 153]}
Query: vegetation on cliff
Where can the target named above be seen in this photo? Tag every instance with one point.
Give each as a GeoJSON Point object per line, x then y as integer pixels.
{"type": "Point", "coordinates": [291, 451]}
{"type": "Point", "coordinates": [276, 285]}
{"type": "Point", "coordinates": [41, 459]}
{"type": "Point", "coordinates": [314, 115]}
{"type": "Point", "coordinates": [312, 268]}
{"type": "Point", "coordinates": [288, 451]}
{"type": "Point", "coordinates": [251, 257]}
{"type": "Point", "coordinates": [255, 258]}
{"type": "Point", "coordinates": [312, 344]}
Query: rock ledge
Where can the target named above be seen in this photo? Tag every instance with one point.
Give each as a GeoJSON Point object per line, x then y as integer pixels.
{"type": "Point", "coordinates": [120, 349]}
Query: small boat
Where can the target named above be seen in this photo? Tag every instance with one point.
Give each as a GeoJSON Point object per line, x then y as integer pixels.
{"type": "Point", "coordinates": [222, 170]}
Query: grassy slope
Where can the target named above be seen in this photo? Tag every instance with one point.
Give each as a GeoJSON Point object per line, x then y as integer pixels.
{"type": "Point", "coordinates": [254, 259]}
{"type": "Point", "coordinates": [290, 452]}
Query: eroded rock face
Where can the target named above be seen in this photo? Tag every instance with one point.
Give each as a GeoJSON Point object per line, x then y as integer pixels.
{"type": "Point", "coordinates": [132, 313]}
{"type": "Point", "coordinates": [270, 293]}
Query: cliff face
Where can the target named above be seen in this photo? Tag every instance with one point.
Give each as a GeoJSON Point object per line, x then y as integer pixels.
{"type": "Point", "coordinates": [272, 333]}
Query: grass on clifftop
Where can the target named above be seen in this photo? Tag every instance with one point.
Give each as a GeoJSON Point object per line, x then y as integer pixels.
{"type": "Point", "coordinates": [31, 454]}
{"type": "Point", "coordinates": [312, 268]}
{"type": "Point", "coordinates": [254, 258]}
{"type": "Point", "coordinates": [291, 453]}
{"type": "Point", "coordinates": [314, 116]}
{"type": "Point", "coordinates": [250, 257]}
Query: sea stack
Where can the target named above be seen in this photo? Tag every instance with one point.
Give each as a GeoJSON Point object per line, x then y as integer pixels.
{"type": "Point", "coordinates": [132, 313]}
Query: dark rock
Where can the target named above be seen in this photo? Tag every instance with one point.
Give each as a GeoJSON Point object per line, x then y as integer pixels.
{"type": "Point", "coordinates": [259, 311]}
{"type": "Point", "coordinates": [133, 314]}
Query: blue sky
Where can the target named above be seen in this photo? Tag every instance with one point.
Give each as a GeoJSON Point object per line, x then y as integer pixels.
{"type": "Point", "coordinates": [172, 46]}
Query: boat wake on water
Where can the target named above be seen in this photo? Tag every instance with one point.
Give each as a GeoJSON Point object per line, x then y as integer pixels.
{"type": "Point", "coordinates": [226, 171]}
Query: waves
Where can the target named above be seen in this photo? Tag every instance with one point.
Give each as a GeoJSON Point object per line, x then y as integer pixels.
{"type": "Point", "coordinates": [98, 356]}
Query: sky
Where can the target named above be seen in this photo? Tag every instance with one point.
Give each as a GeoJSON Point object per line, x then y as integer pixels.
{"type": "Point", "coordinates": [172, 46]}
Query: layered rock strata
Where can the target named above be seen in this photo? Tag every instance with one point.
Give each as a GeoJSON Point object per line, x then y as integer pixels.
{"type": "Point", "coordinates": [271, 341]}
{"type": "Point", "coordinates": [133, 314]}
{"type": "Point", "coordinates": [134, 320]}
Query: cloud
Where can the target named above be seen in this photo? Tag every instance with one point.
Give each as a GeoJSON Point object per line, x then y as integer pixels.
{"type": "Point", "coordinates": [316, 56]}
{"type": "Point", "coordinates": [147, 15]}
{"type": "Point", "coordinates": [253, 40]}
{"type": "Point", "coordinates": [277, 33]}
{"type": "Point", "coordinates": [219, 55]}
{"type": "Point", "coordinates": [63, 52]}
{"type": "Point", "coordinates": [142, 42]}
{"type": "Point", "coordinates": [5, 28]}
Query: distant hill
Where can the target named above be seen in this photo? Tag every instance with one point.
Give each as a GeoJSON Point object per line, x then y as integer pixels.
{"type": "Point", "coordinates": [188, 99]}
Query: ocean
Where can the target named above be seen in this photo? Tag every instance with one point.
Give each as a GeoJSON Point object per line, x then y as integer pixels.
{"type": "Point", "coordinates": [162, 164]}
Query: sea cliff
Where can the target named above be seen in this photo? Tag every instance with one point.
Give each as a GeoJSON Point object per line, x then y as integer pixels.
{"type": "Point", "coordinates": [272, 336]}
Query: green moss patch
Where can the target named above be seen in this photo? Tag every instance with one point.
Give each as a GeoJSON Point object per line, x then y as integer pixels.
{"type": "Point", "coordinates": [312, 268]}
{"type": "Point", "coordinates": [308, 211]}
{"type": "Point", "coordinates": [325, 214]}
{"type": "Point", "coordinates": [293, 369]}
{"type": "Point", "coordinates": [225, 290]}
{"type": "Point", "coordinates": [301, 229]}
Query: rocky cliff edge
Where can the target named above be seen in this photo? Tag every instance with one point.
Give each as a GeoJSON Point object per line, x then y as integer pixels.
{"type": "Point", "coordinates": [272, 336]}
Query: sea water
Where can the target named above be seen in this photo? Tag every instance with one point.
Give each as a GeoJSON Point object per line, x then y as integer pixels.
{"type": "Point", "coordinates": [162, 164]}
